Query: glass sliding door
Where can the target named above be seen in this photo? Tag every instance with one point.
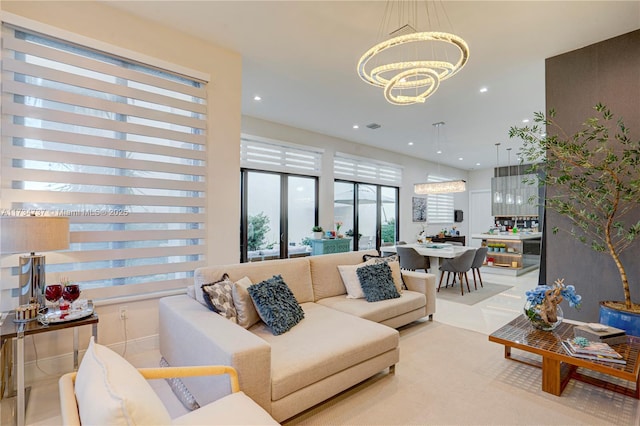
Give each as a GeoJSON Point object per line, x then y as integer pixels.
{"type": "Point", "coordinates": [263, 213]}
{"type": "Point", "coordinates": [278, 212]}
{"type": "Point", "coordinates": [368, 219]}
{"type": "Point", "coordinates": [368, 212]}
{"type": "Point", "coordinates": [301, 214]}
{"type": "Point", "coordinates": [389, 215]}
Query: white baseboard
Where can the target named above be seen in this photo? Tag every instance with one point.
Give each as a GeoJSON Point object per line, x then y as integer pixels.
{"type": "Point", "coordinates": [56, 366]}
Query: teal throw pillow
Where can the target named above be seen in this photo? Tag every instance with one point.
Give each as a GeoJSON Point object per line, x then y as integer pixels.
{"type": "Point", "coordinates": [276, 304]}
{"type": "Point", "coordinates": [377, 282]}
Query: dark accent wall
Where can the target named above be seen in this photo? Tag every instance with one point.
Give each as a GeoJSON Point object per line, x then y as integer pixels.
{"type": "Point", "coordinates": [607, 72]}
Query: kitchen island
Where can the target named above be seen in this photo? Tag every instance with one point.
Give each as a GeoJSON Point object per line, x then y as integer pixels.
{"type": "Point", "coordinates": [511, 254]}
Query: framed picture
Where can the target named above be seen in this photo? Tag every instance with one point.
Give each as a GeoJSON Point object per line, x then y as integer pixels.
{"type": "Point", "coordinates": [419, 209]}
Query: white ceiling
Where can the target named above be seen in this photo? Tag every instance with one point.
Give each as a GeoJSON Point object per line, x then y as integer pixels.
{"type": "Point", "coordinates": [300, 57]}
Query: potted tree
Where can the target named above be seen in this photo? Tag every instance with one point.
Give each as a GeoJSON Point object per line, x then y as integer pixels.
{"type": "Point", "coordinates": [595, 172]}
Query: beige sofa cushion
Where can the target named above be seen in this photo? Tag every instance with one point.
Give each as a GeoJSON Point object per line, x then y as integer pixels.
{"type": "Point", "coordinates": [295, 272]}
{"type": "Point", "coordinates": [234, 409]}
{"type": "Point", "coordinates": [377, 311]}
{"type": "Point", "coordinates": [324, 343]}
{"type": "Point", "coordinates": [325, 276]}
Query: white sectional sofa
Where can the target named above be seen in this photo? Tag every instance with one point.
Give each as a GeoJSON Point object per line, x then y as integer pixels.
{"type": "Point", "coordinates": [339, 343]}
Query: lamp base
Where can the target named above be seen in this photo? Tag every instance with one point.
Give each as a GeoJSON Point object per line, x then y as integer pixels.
{"type": "Point", "coordinates": [31, 282]}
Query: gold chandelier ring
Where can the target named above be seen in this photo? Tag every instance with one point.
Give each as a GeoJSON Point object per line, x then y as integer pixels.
{"type": "Point", "coordinates": [428, 73]}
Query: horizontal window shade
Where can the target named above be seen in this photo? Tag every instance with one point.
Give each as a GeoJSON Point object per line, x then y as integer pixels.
{"type": "Point", "coordinates": [366, 170]}
{"type": "Point", "coordinates": [272, 156]}
{"type": "Point", "coordinates": [119, 148]}
{"type": "Point", "coordinates": [439, 206]}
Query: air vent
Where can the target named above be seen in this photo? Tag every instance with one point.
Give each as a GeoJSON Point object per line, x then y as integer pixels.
{"type": "Point", "coordinates": [373, 126]}
{"type": "Point", "coordinates": [403, 30]}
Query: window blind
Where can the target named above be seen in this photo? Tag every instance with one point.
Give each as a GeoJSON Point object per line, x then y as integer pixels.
{"type": "Point", "coordinates": [117, 146]}
{"type": "Point", "coordinates": [439, 206]}
{"type": "Point", "coordinates": [279, 157]}
{"type": "Point", "coordinates": [366, 170]}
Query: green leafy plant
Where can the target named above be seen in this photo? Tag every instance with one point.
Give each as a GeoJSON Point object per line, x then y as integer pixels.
{"type": "Point", "coordinates": [317, 228]}
{"type": "Point", "coordinates": [258, 226]}
{"type": "Point", "coordinates": [595, 174]}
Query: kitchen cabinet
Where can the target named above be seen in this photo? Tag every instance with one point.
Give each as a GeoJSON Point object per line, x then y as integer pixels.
{"type": "Point", "coordinates": [512, 254]}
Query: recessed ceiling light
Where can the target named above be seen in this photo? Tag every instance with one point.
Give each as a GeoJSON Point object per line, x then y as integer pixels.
{"type": "Point", "coordinates": [526, 120]}
{"type": "Point", "coordinates": [410, 143]}
{"type": "Point", "coordinates": [439, 151]}
{"type": "Point", "coordinates": [483, 90]}
{"type": "Point", "coordinates": [355, 126]}
{"type": "Point", "coordinates": [460, 158]}
{"type": "Point", "coordinates": [477, 164]}
{"type": "Point", "coordinates": [257, 98]}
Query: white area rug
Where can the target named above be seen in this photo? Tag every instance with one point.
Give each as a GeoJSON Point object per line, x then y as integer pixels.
{"type": "Point", "coordinates": [452, 293]}
{"type": "Point", "coordinates": [451, 376]}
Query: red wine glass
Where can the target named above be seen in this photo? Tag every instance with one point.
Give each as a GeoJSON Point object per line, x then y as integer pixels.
{"type": "Point", "coordinates": [53, 292]}
{"type": "Point", "coordinates": [71, 292]}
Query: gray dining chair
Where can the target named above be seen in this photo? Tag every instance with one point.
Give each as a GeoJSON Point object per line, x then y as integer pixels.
{"type": "Point", "coordinates": [478, 261]}
{"type": "Point", "coordinates": [411, 260]}
{"type": "Point", "coordinates": [459, 266]}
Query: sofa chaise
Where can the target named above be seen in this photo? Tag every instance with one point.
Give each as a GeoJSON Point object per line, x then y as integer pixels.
{"type": "Point", "coordinates": [339, 343]}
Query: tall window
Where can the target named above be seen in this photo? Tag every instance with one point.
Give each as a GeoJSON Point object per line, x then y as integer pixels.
{"type": "Point", "coordinates": [366, 202]}
{"type": "Point", "coordinates": [117, 146]}
{"type": "Point", "coordinates": [439, 206]}
{"type": "Point", "coordinates": [279, 199]}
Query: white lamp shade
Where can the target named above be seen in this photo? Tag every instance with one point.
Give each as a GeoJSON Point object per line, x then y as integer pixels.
{"type": "Point", "coordinates": [30, 234]}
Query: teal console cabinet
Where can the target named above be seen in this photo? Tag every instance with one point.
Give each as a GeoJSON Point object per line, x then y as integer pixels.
{"type": "Point", "coordinates": [326, 246]}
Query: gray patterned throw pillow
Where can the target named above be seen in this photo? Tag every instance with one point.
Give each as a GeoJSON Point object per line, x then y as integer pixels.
{"type": "Point", "coordinates": [377, 283]}
{"type": "Point", "coordinates": [276, 304]}
{"type": "Point", "coordinates": [219, 298]}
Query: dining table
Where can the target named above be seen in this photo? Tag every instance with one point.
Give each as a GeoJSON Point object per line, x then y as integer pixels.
{"type": "Point", "coordinates": [434, 251]}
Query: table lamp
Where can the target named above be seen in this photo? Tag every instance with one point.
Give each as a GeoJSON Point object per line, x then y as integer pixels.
{"type": "Point", "coordinates": [30, 234]}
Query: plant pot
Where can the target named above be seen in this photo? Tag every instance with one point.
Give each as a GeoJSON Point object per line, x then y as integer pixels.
{"type": "Point", "coordinates": [317, 235]}
{"type": "Point", "coordinates": [502, 249]}
{"type": "Point", "coordinates": [627, 321]}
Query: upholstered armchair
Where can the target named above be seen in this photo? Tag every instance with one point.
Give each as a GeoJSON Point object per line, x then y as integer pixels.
{"type": "Point", "coordinates": [108, 390]}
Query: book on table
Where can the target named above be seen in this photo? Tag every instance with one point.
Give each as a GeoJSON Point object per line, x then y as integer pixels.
{"type": "Point", "coordinates": [568, 347]}
{"type": "Point", "coordinates": [594, 348]}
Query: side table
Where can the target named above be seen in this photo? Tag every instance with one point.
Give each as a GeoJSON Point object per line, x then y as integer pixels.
{"type": "Point", "coordinates": [10, 331]}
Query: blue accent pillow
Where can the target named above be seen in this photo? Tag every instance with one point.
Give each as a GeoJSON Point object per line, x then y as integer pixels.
{"type": "Point", "coordinates": [377, 283]}
{"type": "Point", "coordinates": [276, 304]}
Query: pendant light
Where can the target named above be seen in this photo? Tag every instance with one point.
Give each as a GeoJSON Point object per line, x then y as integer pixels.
{"type": "Point", "coordinates": [442, 187]}
{"type": "Point", "coordinates": [518, 190]}
{"type": "Point", "coordinates": [509, 197]}
{"type": "Point", "coordinates": [497, 195]}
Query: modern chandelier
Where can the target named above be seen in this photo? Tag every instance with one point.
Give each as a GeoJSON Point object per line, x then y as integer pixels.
{"type": "Point", "coordinates": [410, 65]}
{"type": "Point", "coordinates": [442, 187]}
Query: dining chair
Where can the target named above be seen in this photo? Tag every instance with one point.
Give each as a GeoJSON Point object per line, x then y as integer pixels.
{"type": "Point", "coordinates": [459, 265]}
{"type": "Point", "coordinates": [478, 261]}
{"type": "Point", "coordinates": [411, 260]}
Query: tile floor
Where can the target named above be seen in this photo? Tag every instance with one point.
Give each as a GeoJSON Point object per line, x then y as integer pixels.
{"type": "Point", "coordinates": [484, 317]}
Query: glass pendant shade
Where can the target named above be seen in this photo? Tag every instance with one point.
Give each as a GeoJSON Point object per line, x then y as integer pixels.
{"type": "Point", "coordinates": [497, 195]}
{"type": "Point", "coordinates": [508, 199]}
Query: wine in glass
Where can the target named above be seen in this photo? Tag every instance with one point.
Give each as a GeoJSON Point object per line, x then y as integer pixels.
{"type": "Point", "coordinates": [71, 292]}
{"type": "Point", "coordinates": [53, 292]}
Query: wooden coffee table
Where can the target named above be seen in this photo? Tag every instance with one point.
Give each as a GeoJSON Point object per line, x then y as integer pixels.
{"type": "Point", "coordinates": [558, 367]}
